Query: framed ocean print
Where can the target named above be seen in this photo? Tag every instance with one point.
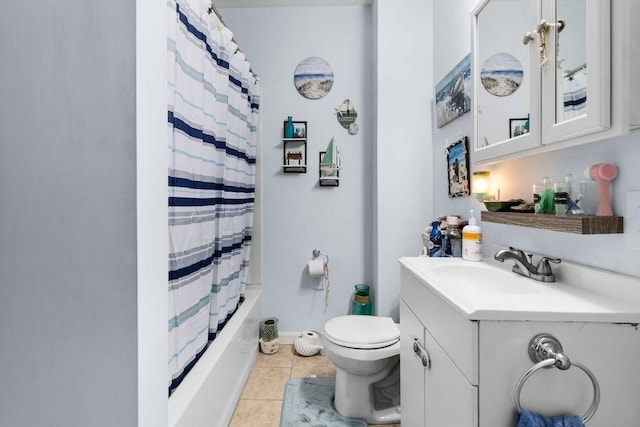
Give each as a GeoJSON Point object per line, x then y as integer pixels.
{"type": "Point", "coordinates": [458, 168]}
{"type": "Point", "coordinates": [313, 77]}
{"type": "Point", "coordinates": [453, 93]}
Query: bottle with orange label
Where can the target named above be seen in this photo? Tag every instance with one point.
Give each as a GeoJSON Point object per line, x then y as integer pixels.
{"type": "Point", "coordinates": [472, 240]}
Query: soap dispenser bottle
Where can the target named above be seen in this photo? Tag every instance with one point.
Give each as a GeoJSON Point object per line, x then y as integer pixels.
{"type": "Point", "coordinates": [472, 240]}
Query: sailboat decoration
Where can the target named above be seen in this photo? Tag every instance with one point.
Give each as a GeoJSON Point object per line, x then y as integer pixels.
{"type": "Point", "coordinates": [330, 165]}
{"type": "Point", "coordinates": [347, 115]}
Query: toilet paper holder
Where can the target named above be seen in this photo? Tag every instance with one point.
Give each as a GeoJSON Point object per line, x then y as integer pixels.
{"type": "Point", "coordinates": [319, 265]}
{"type": "Point", "coordinates": [325, 276]}
{"type": "Point", "coordinates": [316, 253]}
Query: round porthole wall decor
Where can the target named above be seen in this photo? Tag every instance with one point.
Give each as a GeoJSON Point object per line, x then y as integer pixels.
{"type": "Point", "coordinates": [313, 77]}
{"type": "Point", "coordinates": [501, 74]}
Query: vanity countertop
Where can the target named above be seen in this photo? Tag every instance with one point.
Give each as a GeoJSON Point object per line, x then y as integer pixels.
{"type": "Point", "coordinates": [489, 290]}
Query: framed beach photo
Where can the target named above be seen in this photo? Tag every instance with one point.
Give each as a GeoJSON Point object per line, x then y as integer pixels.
{"type": "Point", "coordinates": [453, 93]}
{"type": "Point", "coordinates": [458, 168]}
{"type": "Point", "coordinates": [518, 127]}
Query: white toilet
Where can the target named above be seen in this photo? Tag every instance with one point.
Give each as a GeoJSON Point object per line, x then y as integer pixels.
{"type": "Point", "coordinates": [366, 352]}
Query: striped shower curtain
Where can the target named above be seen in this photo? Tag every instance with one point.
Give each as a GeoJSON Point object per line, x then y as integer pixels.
{"type": "Point", "coordinates": [212, 117]}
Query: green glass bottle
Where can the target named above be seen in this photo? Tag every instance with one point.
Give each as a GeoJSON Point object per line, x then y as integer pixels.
{"type": "Point", "coordinates": [361, 303]}
{"type": "Point", "coordinates": [289, 128]}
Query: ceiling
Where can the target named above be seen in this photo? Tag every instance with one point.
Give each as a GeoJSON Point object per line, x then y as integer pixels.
{"type": "Point", "coordinates": [287, 3]}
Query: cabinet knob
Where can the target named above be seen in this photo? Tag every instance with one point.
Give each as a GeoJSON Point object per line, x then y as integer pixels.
{"type": "Point", "coordinates": [528, 37]}
{"type": "Point", "coordinates": [421, 353]}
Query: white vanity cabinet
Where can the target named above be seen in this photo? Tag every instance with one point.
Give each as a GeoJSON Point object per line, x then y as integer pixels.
{"type": "Point", "coordinates": [451, 396]}
{"type": "Point", "coordinates": [476, 357]}
{"type": "Point", "coordinates": [412, 368]}
{"type": "Point", "coordinates": [572, 63]}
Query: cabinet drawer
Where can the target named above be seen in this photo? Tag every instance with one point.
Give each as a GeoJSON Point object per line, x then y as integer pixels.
{"type": "Point", "coordinates": [457, 336]}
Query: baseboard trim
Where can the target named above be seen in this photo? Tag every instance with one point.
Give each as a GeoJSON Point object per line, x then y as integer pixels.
{"type": "Point", "coordinates": [288, 337]}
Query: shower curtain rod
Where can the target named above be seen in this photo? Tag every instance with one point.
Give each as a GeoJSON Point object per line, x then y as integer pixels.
{"type": "Point", "coordinates": [212, 9]}
{"type": "Point", "coordinates": [570, 73]}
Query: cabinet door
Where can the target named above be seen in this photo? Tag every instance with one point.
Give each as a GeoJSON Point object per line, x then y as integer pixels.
{"type": "Point", "coordinates": [506, 78]}
{"type": "Point", "coordinates": [450, 400]}
{"type": "Point", "coordinates": [412, 371]}
{"type": "Point", "coordinates": [576, 81]}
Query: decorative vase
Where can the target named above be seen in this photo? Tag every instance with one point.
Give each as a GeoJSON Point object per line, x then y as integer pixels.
{"type": "Point", "coordinates": [309, 343]}
{"type": "Point", "coordinates": [269, 343]}
{"type": "Point", "coordinates": [361, 303]}
{"type": "Point", "coordinates": [289, 128]}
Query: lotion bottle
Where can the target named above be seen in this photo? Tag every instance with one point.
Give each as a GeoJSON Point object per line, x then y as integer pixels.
{"type": "Point", "coordinates": [472, 240]}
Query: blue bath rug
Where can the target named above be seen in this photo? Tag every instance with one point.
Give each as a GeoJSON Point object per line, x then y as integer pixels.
{"type": "Point", "coordinates": [308, 402]}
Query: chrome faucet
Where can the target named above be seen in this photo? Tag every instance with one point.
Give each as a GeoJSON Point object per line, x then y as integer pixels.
{"type": "Point", "coordinates": [524, 264]}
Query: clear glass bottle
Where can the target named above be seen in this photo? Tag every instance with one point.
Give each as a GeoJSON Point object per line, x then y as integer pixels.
{"type": "Point", "coordinates": [453, 237]}
{"type": "Point", "coordinates": [543, 197]}
{"type": "Point", "coordinates": [561, 197]}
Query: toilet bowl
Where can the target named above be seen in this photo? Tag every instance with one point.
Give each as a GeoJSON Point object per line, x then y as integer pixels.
{"type": "Point", "coordinates": [366, 352]}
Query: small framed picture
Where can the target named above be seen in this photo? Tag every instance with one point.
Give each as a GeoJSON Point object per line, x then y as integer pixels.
{"type": "Point", "coordinates": [518, 127]}
{"type": "Point", "coordinates": [458, 168]}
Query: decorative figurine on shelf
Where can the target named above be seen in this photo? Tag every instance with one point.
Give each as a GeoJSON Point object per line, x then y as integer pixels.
{"type": "Point", "coordinates": [294, 158]}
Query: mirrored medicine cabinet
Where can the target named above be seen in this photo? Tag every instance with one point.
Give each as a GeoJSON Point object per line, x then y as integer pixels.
{"type": "Point", "coordinates": [542, 74]}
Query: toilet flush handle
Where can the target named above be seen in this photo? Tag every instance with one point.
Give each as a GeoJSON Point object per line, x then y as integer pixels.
{"type": "Point", "coordinates": [420, 351]}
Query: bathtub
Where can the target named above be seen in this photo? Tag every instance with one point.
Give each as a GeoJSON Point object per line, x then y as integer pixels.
{"type": "Point", "coordinates": [209, 393]}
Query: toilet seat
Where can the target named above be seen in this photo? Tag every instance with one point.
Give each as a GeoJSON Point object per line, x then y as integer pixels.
{"type": "Point", "coordinates": [362, 332]}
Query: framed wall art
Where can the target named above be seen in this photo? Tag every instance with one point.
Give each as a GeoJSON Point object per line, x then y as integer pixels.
{"type": "Point", "coordinates": [458, 168]}
{"type": "Point", "coordinates": [313, 77]}
{"type": "Point", "coordinates": [453, 93]}
{"type": "Point", "coordinates": [518, 127]}
{"type": "Point", "coordinates": [501, 74]}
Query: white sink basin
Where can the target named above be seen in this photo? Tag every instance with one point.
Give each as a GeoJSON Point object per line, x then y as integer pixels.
{"type": "Point", "coordinates": [489, 290]}
{"type": "Point", "coordinates": [480, 276]}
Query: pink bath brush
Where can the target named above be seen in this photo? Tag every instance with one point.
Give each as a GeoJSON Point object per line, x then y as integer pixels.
{"type": "Point", "coordinates": [602, 173]}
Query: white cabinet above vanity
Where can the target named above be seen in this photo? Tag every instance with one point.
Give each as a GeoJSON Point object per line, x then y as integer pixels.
{"type": "Point", "coordinates": [553, 73]}
{"type": "Point", "coordinates": [466, 329]}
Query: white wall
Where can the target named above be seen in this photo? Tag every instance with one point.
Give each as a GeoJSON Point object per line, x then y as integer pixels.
{"type": "Point", "coordinates": [515, 177]}
{"type": "Point", "coordinates": [448, 50]}
{"type": "Point", "coordinates": [375, 215]}
{"type": "Point", "coordinates": [404, 182]}
{"type": "Point", "coordinates": [152, 213]}
{"type": "Point", "coordinates": [70, 298]}
{"type": "Point", "coordinates": [298, 215]}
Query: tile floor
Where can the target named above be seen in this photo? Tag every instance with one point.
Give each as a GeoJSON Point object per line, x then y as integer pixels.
{"type": "Point", "coordinates": [261, 399]}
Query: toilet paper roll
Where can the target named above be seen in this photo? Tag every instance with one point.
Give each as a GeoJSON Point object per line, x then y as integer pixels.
{"type": "Point", "coordinates": [316, 268]}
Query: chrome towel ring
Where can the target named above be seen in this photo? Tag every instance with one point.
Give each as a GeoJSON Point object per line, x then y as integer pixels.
{"type": "Point", "coordinates": [546, 350]}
